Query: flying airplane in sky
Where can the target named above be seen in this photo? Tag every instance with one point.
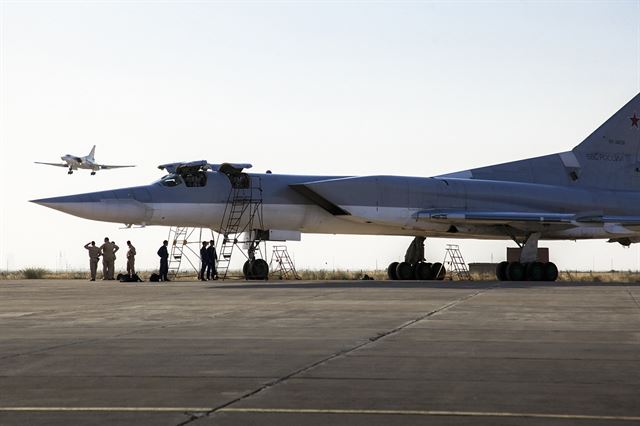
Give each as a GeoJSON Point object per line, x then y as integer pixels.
{"type": "Point", "coordinates": [589, 192]}
{"type": "Point", "coordinates": [73, 162]}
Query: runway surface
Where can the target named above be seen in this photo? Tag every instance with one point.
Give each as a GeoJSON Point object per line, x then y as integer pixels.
{"type": "Point", "coordinates": [316, 353]}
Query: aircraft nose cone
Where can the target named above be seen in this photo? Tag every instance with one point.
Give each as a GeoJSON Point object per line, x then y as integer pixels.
{"type": "Point", "coordinates": [65, 203]}
{"type": "Point", "coordinates": [107, 206]}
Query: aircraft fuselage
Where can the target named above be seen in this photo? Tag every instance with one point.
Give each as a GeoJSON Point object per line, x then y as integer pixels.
{"type": "Point", "coordinates": [376, 205]}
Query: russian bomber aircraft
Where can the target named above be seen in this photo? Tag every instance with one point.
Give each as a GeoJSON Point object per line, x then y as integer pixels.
{"type": "Point", "coordinates": [589, 192]}
{"type": "Point", "coordinates": [74, 162]}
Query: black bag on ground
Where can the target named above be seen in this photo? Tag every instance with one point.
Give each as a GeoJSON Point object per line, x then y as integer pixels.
{"type": "Point", "coordinates": [154, 278]}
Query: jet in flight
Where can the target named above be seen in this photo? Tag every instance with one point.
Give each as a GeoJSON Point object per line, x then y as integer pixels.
{"type": "Point", "coordinates": [73, 162]}
{"type": "Point", "coordinates": [589, 192]}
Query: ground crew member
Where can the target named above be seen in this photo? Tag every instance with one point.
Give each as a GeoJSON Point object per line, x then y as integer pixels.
{"type": "Point", "coordinates": [109, 250]}
{"type": "Point", "coordinates": [94, 255]}
{"type": "Point", "coordinates": [131, 260]}
{"type": "Point", "coordinates": [204, 260]}
{"type": "Point", "coordinates": [164, 261]}
{"type": "Point", "coordinates": [212, 273]}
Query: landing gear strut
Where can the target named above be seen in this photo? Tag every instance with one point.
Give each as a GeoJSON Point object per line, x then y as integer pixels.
{"type": "Point", "coordinates": [414, 267]}
{"type": "Point", "coordinates": [529, 268]}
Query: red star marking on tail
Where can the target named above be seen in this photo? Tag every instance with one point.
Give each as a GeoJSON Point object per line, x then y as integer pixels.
{"type": "Point", "coordinates": [634, 120]}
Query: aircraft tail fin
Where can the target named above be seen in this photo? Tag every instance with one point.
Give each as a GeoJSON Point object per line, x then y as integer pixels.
{"type": "Point", "coordinates": [92, 153]}
{"type": "Point", "coordinates": [610, 156]}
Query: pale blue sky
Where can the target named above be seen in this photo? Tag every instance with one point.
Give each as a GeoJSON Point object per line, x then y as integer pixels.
{"type": "Point", "coordinates": [419, 88]}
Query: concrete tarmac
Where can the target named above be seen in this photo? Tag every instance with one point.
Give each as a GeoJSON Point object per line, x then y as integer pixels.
{"type": "Point", "coordinates": [316, 353]}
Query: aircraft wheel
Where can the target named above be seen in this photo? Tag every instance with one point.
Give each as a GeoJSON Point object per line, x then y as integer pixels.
{"type": "Point", "coordinates": [534, 271]}
{"type": "Point", "coordinates": [93, 173]}
{"type": "Point", "coordinates": [438, 271]}
{"type": "Point", "coordinates": [260, 269]}
{"type": "Point", "coordinates": [515, 271]}
{"type": "Point", "coordinates": [422, 271]}
{"type": "Point", "coordinates": [404, 271]}
{"type": "Point", "coordinates": [550, 271]}
{"type": "Point", "coordinates": [391, 271]}
{"type": "Point", "coordinates": [70, 172]}
{"type": "Point", "coordinates": [246, 270]}
{"type": "Point", "coordinates": [501, 271]}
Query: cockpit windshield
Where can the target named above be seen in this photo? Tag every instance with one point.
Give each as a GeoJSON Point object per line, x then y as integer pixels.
{"type": "Point", "coordinates": [171, 180]}
{"type": "Point", "coordinates": [191, 179]}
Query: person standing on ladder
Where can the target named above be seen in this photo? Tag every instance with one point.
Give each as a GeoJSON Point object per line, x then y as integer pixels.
{"type": "Point", "coordinates": [204, 260]}
{"type": "Point", "coordinates": [212, 257]}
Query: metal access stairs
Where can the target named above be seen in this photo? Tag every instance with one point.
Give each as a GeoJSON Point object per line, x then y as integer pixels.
{"type": "Point", "coordinates": [285, 267]}
{"type": "Point", "coordinates": [243, 206]}
{"type": "Point", "coordinates": [184, 249]}
{"type": "Point", "coordinates": [453, 257]}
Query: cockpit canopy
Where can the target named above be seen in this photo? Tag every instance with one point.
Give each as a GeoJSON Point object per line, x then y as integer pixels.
{"type": "Point", "coordinates": [191, 179]}
{"type": "Point", "coordinates": [193, 174]}
{"type": "Point", "coordinates": [172, 179]}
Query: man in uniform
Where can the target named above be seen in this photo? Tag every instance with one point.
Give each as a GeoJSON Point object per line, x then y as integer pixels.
{"type": "Point", "coordinates": [204, 260]}
{"type": "Point", "coordinates": [164, 261]}
{"type": "Point", "coordinates": [131, 260]}
{"type": "Point", "coordinates": [94, 255]}
{"type": "Point", "coordinates": [109, 250]}
{"type": "Point", "coordinates": [212, 273]}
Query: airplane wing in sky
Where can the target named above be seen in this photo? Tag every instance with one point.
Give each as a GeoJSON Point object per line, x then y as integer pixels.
{"type": "Point", "coordinates": [53, 164]}
{"type": "Point", "coordinates": [107, 167]}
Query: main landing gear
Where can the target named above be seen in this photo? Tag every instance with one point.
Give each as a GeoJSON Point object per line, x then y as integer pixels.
{"type": "Point", "coordinates": [414, 267]}
{"type": "Point", "coordinates": [529, 268]}
{"type": "Point", "coordinates": [529, 271]}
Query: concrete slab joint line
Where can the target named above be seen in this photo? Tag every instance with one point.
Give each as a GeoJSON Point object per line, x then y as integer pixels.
{"type": "Point", "coordinates": [339, 354]}
{"type": "Point", "coordinates": [634, 298]}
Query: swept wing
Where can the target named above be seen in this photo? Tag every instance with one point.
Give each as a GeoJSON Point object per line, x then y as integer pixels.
{"type": "Point", "coordinates": [53, 164]}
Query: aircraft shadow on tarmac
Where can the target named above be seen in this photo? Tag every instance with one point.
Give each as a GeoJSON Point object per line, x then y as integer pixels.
{"type": "Point", "coordinates": [449, 285]}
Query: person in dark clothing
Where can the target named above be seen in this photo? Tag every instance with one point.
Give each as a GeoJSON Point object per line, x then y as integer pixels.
{"type": "Point", "coordinates": [164, 261]}
{"type": "Point", "coordinates": [204, 261]}
{"type": "Point", "coordinates": [212, 273]}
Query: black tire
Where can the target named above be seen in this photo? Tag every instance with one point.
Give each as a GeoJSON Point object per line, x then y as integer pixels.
{"type": "Point", "coordinates": [422, 271]}
{"type": "Point", "coordinates": [404, 271]}
{"type": "Point", "coordinates": [438, 271]}
{"type": "Point", "coordinates": [535, 271]}
{"type": "Point", "coordinates": [246, 270]}
{"type": "Point", "coordinates": [391, 271]}
{"type": "Point", "coordinates": [260, 269]}
{"type": "Point", "coordinates": [515, 271]}
{"type": "Point", "coordinates": [550, 271]}
{"type": "Point", "coordinates": [501, 271]}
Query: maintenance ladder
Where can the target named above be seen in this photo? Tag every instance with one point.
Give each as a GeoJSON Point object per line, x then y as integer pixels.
{"type": "Point", "coordinates": [243, 206]}
{"type": "Point", "coordinates": [184, 248]}
{"type": "Point", "coordinates": [285, 267]}
{"type": "Point", "coordinates": [456, 262]}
